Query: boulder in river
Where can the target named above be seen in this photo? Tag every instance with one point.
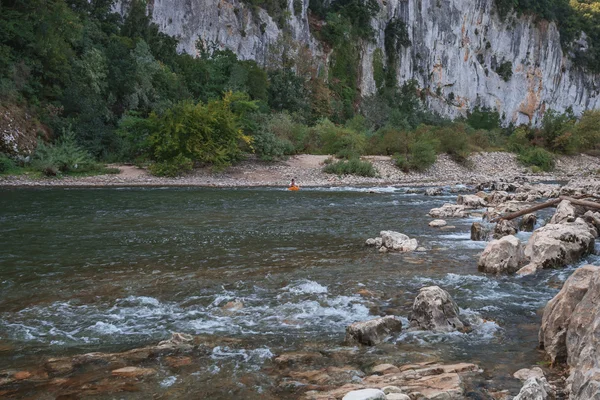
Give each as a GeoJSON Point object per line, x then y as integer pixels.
{"type": "Point", "coordinates": [535, 389]}
{"type": "Point", "coordinates": [503, 228]}
{"type": "Point", "coordinates": [448, 211]}
{"type": "Point", "coordinates": [437, 223]}
{"type": "Point", "coordinates": [480, 232]}
{"type": "Point", "coordinates": [556, 245]}
{"type": "Point", "coordinates": [393, 241]}
{"type": "Point", "coordinates": [365, 394]}
{"type": "Point", "coordinates": [571, 330]}
{"type": "Point", "coordinates": [527, 223]}
{"type": "Point", "coordinates": [565, 212]}
{"type": "Point", "coordinates": [471, 201]}
{"type": "Point", "coordinates": [373, 331]}
{"type": "Point", "coordinates": [525, 373]}
{"type": "Point", "coordinates": [435, 310]}
{"type": "Point", "coordinates": [434, 191]}
{"type": "Point", "coordinates": [558, 311]}
{"type": "Point", "coordinates": [502, 256]}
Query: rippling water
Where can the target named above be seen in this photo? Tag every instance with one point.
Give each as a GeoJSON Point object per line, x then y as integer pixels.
{"type": "Point", "coordinates": [111, 269]}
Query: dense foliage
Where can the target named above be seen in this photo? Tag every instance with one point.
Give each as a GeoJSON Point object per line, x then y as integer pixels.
{"type": "Point", "coordinates": [110, 88]}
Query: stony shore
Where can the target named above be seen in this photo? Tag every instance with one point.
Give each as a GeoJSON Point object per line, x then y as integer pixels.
{"type": "Point", "coordinates": [307, 169]}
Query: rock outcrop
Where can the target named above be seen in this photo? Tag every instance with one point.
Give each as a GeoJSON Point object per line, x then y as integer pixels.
{"type": "Point", "coordinates": [435, 310]}
{"type": "Point", "coordinates": [393, 241]}
{"type": "Point", "coordinates": [558, 311]}
{"type": "Point", "coordinates": [571, 331]}
{"type": "Point", "coordinates": [456, 76]}
{"type": "Point", "coordinates": [373, 331]}
{"type": "Point", "coordinates": [502, 256]}
{"type": "Point", "coordinates": [437, 223]}
{"type": "Point", "coordinates": [556, 245]}
{"type": "Point", "coordinates": [365, 394]}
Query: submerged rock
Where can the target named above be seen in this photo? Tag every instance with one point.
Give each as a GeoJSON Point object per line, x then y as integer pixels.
{"type": "Point", "coordinates": [133, 372]}
{"type": "Point", "coordinates": [556, 245]}
{"type": "Point", "coordinates": [502, 256]}
{"type": "Point", "coordinates": [373, 331]}
{"type": "Point", "coordinates": [558, 312]}
{"type": "Point", "coordinates": [435, 310]}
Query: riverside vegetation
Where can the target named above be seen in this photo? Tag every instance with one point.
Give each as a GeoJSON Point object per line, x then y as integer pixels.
{"type": "Point", "coordinates": [106, 88]}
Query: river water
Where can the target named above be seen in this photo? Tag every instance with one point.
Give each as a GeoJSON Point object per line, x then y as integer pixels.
{"type": "Point", "coordinates": [117, 268]}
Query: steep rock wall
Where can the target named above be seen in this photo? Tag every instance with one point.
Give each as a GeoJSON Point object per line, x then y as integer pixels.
{"type": "Point", "coordinates": [456, 47]}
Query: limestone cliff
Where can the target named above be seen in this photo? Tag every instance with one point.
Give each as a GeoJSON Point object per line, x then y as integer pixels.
{"type": "Point", "coordinates": [456, 47]}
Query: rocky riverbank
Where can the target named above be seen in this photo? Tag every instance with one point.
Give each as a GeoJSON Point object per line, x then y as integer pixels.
{"type": "Point", "coordinates": [307, 169]}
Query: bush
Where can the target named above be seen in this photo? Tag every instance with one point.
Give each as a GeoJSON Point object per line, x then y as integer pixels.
{"type": "Point", "coordinates": [538, 157]}
{"type": "Point", "coordinates": [354, 166]}
{"type": "Point", "coordinates": [455, 142]}
{"type": "Point", "coordinates": [269, 147]}
{"type": "Point", "coordinates": [204, 133]}
{"type": "Point", "coordinates": [62, 157]}
{"type": "Point", "coordinates": [423, 155]}
{"type": "Point", "coordinates": [6, 163]}
{"type": "Point", "coordinates": [338, 140]}
{"type": "Point", "coordinates": [401, 162]}
{"type": "Point", "coordinates": [174, 167]}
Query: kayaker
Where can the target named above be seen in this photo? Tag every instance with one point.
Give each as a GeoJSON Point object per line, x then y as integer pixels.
{"type": "Point", "coordinates": [293, 184]}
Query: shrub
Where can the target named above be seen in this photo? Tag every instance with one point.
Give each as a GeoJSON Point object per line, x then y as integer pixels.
{"type": "Point", "coordinates": [455, 142]}
{"type": "Point", "coordinates": [173, 167]}
{"type": "Point", "coordinates": [505, 70]}
{"type": "Point", "coordinates": [354, 166]}
{"type": "Point", "coordinates": [269, 147]}
{"type": "Point", "coordinates": [204, 133]}
{"type": "Point", "coordinates": [63, 156]}
{"type": "Point", "coordinates": [401, 162]}
{"type": "Point", "coordinates": [335, 139]}
{"type": "Point", "coordinates": [6, 163]}
{"type": "Point", "coordinates": [423, 155]}
{"type": "Point", "coordinates": [538, 157]}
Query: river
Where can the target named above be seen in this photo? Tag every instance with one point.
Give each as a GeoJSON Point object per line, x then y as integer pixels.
{"type": "Point", "coordinates": [111, 269]}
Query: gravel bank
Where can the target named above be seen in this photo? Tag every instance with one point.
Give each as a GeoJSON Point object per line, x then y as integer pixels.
{"type": "Point", "coordinates": [307, 171]}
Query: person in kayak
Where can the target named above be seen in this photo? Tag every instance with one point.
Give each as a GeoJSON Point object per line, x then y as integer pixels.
{"type": "Point", "coordinates": [293, 185]}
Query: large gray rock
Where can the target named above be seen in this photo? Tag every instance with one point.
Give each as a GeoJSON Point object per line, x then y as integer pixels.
{"type": "Point", "coordinates": [558, 312]}
{"type": "Point", "coordinates": [504, 228]}
{"type": "Point", "coordinates": [583, 344]}
{"type": "Point", "coordinates": [471, 201]}
{"type": "Point", "coordinates": [536, 389]}
{"type": "Point", "coordinates": [503, 256]}
{"type": "Point", "coordinates": [435, 310]}
{"type": "Point", "coordinates": [557, 245]}
{"type": "Point", "coordinates": [565, 212]}
{"type": "Point", "coordinates": [396, 241]}
{"type": "Point", "coordinates": [448, 211]}
{"type": "Point", "coordinates": [373, 331]}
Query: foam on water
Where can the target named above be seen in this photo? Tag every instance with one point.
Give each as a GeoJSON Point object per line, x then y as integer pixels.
{"type": "Point", "coordinates": [306, 286]}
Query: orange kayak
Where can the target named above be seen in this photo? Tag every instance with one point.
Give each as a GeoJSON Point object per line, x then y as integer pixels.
{"type": "Point", "coordinates": [294, 188]}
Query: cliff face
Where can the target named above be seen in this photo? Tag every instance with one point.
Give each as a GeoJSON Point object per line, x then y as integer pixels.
{"type": "Point", "coordinates": [456, 48]}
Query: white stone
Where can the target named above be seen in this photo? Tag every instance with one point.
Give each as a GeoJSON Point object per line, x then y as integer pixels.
{"type": "Point", "coordinates": [365, 394]}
